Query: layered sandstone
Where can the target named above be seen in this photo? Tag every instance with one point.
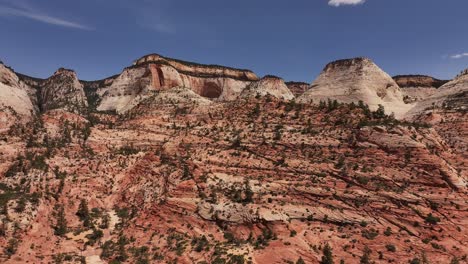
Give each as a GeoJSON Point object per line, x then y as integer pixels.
{"type": "Point", "coordinates": [212, 81]}
{"type": "Point", "coordinates": [354, 80]}
{"type": "Point", "coordinates": [196, 69]}
{"type": "Point", "coordinates": [268, 86]}
{"type": "Point", "coordinates": [408, 81]}
{"type": "Point", "coordinates": [180, 178]}
{"type": "Point", "coordinates": [417, 87]}
{"type": "Point", "coordinates": [156, 73]}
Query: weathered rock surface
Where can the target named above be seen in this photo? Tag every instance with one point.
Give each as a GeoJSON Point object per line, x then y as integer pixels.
{"type": "Point", "coordinates": [16, 94]}
{"type": "Point", "coordinates": [450, 96]}
{"type": "Point", "coordinates": [417, 87]}
{"type": "Point", "coordinates": [354, 80]}
{"type": "Point", "coordinates": [63, 90]}
{"type": "Point", "coordinates": [154, 72]}
{"type": "Point", "coordinates": [406, 81]}
{"type": "Point", "coordinates": [268, 86]}
{"type": "Point", "coordinates": [179, 177]}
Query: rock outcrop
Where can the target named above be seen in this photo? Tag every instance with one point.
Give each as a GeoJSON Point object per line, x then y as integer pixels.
{"type": "Point", "coordinates": [184, 178]}
{"type": "Point", "coordinates": [212, 81]}
{"type": "Point", "coordinates": [268, 86]}
{"type": "Point", "coordinates": [450, 96]}
{"type": "Point", "coordinates": [298, 88]}
{"type": "Point", "coordinates": [155, 72]}
{"type": "Point", "coordinates": [354, 80]}
{"type": "Point", "coordinates": [16, 94]}
{"type": "Point", "coordinates": [417, 87]}
{"type": "Point", "coordinates": [63, 91]}
{"type": "Point", "coordinates": [409, 81]}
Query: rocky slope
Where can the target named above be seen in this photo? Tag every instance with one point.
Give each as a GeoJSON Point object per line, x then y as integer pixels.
{"type": "Point", "coordinates": [177, 176]}
{"type": "Point", "coordinates": [268, 86]}
{"type": "Point", "coordinates": [182, 178]}
{"type": "Point", "coordinates": [354, 80]}
{"type": "Point", "coordinates": [417, 87]}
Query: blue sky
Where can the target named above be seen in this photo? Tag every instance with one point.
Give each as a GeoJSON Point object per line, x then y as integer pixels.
{"type": "Point", "coordinates": [293, 39]}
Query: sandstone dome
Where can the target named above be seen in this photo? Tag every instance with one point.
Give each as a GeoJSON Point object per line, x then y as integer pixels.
{"type": "Point", "coordinates": [268, 85]}
{"type": "Point", "coordinates": [15, 94]}
{"type": "Point", "coordinates": [452, 95]}
{"type": "Point", "coordinates": [358, 79]}
{"type": "Point", "coordinates": [63, 90]}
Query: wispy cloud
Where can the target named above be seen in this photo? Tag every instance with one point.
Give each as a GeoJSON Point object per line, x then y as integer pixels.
{"type": "Point", "coordinates": [22, 11]}
{"type": "Point", "coordinates": [163, 28]}
{"type": "Point", "coordinates": [459, 56]}
{"type": "Point", "coordinates": [150, 15]}
{"type": "Point", "coordinates": [345, 2]}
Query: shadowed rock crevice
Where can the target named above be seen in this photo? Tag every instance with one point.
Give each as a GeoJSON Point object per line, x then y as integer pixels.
{"type": "Point", "coordinates": [211, 90]}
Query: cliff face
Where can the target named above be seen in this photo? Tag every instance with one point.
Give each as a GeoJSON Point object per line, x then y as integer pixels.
{"type": "Point", "coordinates": [212, 81]}
{"type": "Point", "coordinates": [354, 80]}
{"type": "Point", "coordinates": [409, 81]}
{"type": "Point", "coordinates": [63, 91]}
{"type": "Point", "coordinates": [417, 87]}
{"type": "Point", "coordinates": [268, 86]}
{"type": "Point", "coordinates": [155, 73]}
{"type": "Point", "coordinates": [196, 69]}
{"type": "Point", "coordinates": [16, 94]}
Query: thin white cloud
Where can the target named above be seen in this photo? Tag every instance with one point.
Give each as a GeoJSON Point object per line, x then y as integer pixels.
{"type": "Point", "coordinates": [345, 2]}
{"type": "Point", "coordinates": [40, 17]}
{"type": "Point", "coordinates": [163, 28]}
{"type": "Point", "coordinates": [459, 56]}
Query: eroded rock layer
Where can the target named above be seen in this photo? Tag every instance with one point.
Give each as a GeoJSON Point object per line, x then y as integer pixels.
{"type": "Point", "coordinates": [181, 178]}
{"type": "Point", "coordinates": [417, 87]}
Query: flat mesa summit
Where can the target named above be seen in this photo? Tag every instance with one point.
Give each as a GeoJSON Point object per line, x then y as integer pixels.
{"type": "Point", "coordinates": [171, 161]}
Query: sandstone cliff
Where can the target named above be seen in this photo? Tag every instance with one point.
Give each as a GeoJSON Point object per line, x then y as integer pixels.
{"type": "Point", "coordinates": [212, 81]}
{"type": "Point", "coordinates": [155, 73]}
{"type": "Point", "coordinates": [417, 87]}
{"type": "Point", "coordinates": [354, 80]}
{"type": "Point", "coordinates": [407, 81]}
{"type": "Point", "coordinates": [16, 94]}
{"type": "Point", "coordinates": [63, 91]}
